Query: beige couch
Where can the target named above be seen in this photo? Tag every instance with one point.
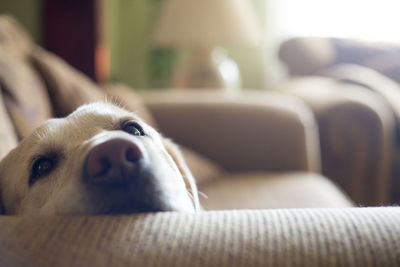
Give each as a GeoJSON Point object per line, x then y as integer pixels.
{"type": "Point", "coordinates": [352, 88]}
{"type": "Point", "coordinates": [251, 151]}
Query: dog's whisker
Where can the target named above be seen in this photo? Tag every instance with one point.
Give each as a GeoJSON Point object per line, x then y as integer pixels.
{"type": "Point", "coordinates": [115, 101]}
{"type": "Point", "coordinates": [202, 195]}
{"type": "Point", "coordinates": [190, 194]}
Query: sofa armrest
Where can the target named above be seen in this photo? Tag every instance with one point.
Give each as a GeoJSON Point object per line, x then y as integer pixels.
{"type": "Point", "coordinates": [292, 237]}
{"type": "Point", "coordinates": [250, 131]}
{"type": "Point", "coordinates": [356, 131]}
{"type": "Point", "coordinates": [387, 88]}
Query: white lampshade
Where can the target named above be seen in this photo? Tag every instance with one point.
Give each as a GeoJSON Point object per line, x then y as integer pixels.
{"type": "Point", "coordinates": [207, 23]}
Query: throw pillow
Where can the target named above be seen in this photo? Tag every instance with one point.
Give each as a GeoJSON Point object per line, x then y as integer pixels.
{"type": "Point", "coordinates": [24, 94]}
{"type": "Point", "coordinates": [67, 87]}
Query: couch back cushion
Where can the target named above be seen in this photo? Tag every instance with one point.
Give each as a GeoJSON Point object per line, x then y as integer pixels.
{"type": "Point", "coordinates": [204, 170]}
{"type": "Point", "coordinates": [8, 137]}
{"type": "Point", "coordinates": [13, 37]}
{"type": "Point", "coordinates": [67, 87]}
{"type": "Point", "coordinates": [23, 92]}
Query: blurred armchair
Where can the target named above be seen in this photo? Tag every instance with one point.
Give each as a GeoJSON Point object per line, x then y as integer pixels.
{"type": "Point", "coordinates": [356, 105]}
{"type": "Point", "coordinates": [267, 143]}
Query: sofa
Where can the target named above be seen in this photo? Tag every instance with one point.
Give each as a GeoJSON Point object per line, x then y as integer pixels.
{"type": "Point", "coordinates": [255, 155]}
{"type": "Point", "coordinates": [353, 89]}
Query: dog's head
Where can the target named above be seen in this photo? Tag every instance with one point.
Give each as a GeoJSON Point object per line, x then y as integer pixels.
{"type": "Point", "coordinates": [101, 159]}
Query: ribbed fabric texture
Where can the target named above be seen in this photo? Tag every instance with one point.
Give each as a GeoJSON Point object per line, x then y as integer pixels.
{"type": "Point", "coordinates": [297, 237]}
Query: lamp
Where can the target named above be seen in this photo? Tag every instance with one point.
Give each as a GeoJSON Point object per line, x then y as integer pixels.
{"type": "Point", "coordinates": [205, 25]}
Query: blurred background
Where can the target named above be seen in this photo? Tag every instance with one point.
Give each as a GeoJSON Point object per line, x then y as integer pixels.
{"type": "Point", "coordinates": [115, 39]}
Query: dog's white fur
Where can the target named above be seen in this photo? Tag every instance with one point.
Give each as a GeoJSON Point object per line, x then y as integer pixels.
{"type": "Point", "coordinates": [63, 190]}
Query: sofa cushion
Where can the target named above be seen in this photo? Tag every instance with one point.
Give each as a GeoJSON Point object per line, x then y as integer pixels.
{"type": "Point", "coordinates": [273, 190]}
{"type": "Point", "coordinates": [67, 87]}
{"type": "Point", "coordinates": [307, 55]}
{"type": "Point", "coordinates": [369, 78]}
{"type": "Point", "coordinates": [356, 237]}
{"type": "Point", "coordinates": [204, 170]}
{"type": "Point", "coordinates": [304, 56]}
{"type": "Point", "coordinates": [8, 137]}
{"type": "Point", "coordinates": [24, 93]}
{"type": "Point", "coordinates": [13, 37]}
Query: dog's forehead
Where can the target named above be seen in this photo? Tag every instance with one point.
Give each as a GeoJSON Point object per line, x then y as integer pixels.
{"type": "Point", "coordinates": [99, 108]}
{"type": "Point", "coordinates": [99, 111]}
{"type": "Point", "coordinates": [85, 121]}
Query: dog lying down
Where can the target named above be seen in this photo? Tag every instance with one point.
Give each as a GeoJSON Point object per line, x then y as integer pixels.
{"type": "Point", "coordinates": [101, 159]}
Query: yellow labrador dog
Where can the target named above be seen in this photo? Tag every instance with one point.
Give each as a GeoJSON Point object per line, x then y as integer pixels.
{"type": "Point", "coordinates": [101, 159]}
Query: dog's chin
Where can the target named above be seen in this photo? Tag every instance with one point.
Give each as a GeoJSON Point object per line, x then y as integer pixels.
{"type": "Point", "coordinates": [123, 207]}
{"type": "Point", "coordinates": [125, 203]}
{"type": "Point", "coordinates": [128, 198]}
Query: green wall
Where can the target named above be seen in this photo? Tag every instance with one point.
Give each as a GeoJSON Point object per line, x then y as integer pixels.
{"type": "Point", "coordinates": [251, 61]}
{"type": "Point", "coordinates": [129, 40]}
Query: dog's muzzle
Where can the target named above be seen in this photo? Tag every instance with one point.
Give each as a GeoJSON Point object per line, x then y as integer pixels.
{"type": "Point", "coordinates": [119, 176]}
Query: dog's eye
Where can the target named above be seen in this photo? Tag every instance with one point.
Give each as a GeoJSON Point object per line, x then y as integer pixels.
{"type": "Point", "coordinates": [133, 128]}
{"type": "Point", "coordinates": [41, 167]}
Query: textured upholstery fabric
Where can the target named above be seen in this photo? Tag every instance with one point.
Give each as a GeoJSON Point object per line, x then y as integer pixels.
{"type": "Point", "coordinates": [272, 190]}
{"type": "Point", "coordinates": [356, 131]}
{"type": "Point", "coordinates": [291, 237]}
{"type": "Point", "coordinates": [256, 132]}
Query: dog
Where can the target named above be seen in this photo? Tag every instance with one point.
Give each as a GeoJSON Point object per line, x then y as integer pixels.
{"type": "Point", "coordinates": [101, 159]}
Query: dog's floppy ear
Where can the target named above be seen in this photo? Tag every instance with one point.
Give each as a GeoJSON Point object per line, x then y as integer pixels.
{"type": "Point", "coordinates": [179, 160]}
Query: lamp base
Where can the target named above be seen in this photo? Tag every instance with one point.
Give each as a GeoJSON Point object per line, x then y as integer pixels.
{"type": "Point", "coordinates": [209, 69]}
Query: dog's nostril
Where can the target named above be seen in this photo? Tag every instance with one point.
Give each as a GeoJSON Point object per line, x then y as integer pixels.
{"type": "Point", "coordinates": [104, 166]}
{"type": "Point", "coordinates": [133, 154]}
{"type": "Point", "coordinates": [98, 166]}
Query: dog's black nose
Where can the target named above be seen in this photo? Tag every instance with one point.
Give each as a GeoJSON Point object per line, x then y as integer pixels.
{"type": "Point", "coordinates": [112, 162]}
